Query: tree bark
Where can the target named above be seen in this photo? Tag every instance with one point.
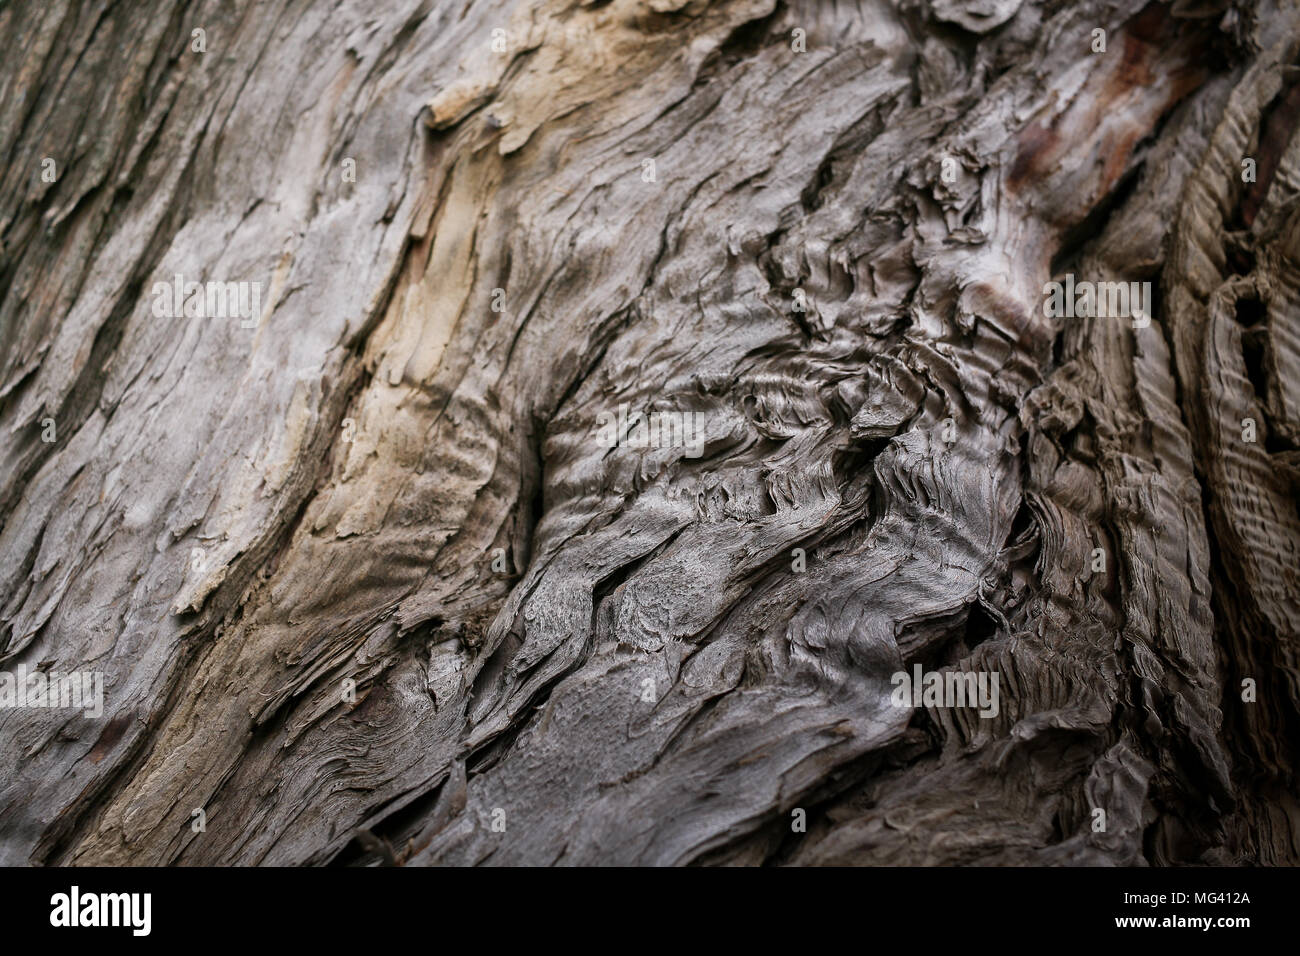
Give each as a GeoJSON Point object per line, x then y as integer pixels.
{"type": "Point", "coordinates": [365, 584]}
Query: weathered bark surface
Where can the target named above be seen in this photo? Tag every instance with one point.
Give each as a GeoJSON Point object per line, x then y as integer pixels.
{"type": "Point", "coordinates": [655, 677]}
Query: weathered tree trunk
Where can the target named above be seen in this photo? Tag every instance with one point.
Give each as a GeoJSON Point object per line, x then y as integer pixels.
{"type": "Point", "coordinates": [363, 579]}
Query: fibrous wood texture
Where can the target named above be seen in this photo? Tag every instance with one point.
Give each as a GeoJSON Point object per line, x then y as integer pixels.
{"type": "Point", "coordinates": [362, 582]}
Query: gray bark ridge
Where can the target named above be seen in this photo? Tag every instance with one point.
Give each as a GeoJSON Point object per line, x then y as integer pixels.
{"type": "Point", "coordinates": [365, 585]}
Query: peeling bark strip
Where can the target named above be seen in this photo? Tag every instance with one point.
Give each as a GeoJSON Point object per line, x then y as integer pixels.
{"type": "Point", "coordinates": [625, 393]}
